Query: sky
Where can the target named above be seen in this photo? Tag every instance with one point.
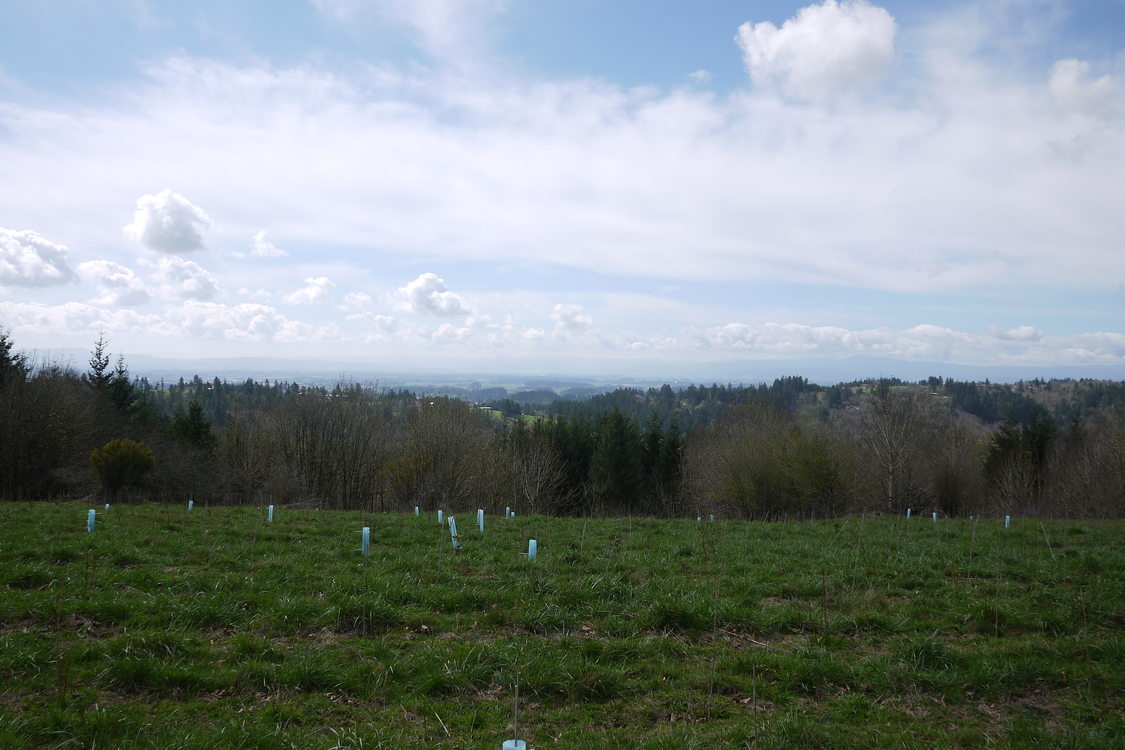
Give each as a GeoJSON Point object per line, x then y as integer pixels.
{"type": "Point", "coordinates": [549, 184]}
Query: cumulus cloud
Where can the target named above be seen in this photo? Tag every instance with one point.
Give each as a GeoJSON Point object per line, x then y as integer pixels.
{"type": "Point", "coordinates": [382, 324]}
{"type": "Point", "coordinates": [316, 289]}
{"type": "Point", "coordinates": [186, 279]}
{"type": "Point", "coordinates": [924, 342]}
{"type": "Point", "coordinates": [244, 322]}
{"type": "Point", "coordinates": [571, 319]}
{"type": "Point", "coordinates": [117, 284]}
{"type": "Point", "coordinates": [357, 301]}
{"type": "Point", "coordinates": [79, 318]}
{"type": "Point", "coordinates": [169, 223]}
{"type": "Point", "coordinates": [700, 76]}
{"type": "Point", "coordinates": [1073, 89]}
{"type": "Point", "coordinates": [1019, 333]}
{"type": "Point", "coordinates": [428, 295]}
{"type": "Point", "coordinates": [449, 333]}
{"type": "Point", "coordinates": [823, 50]}
{"type": "Point", "coordinates": [28, 259]}
{"type": "Point", "coordinates": [262, 247]}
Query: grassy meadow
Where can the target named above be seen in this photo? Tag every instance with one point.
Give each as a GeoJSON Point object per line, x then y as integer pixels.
{"type": "Point", "coordinates": [215, 629]}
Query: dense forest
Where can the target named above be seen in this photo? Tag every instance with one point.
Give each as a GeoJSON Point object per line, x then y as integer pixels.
{"type": "Point", "coordinates": [789, 449]}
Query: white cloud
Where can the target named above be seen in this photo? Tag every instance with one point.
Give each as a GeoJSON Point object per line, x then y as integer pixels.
{"type": "Point", "coordinates": [924, 342]}
{"type": "Point", "coordinates": [118, 285]}
{"type": "Point", "coordinates": [571, 319]}
{"type": "Point", "coordinates": [1019, 333]}
{"type": "Point", "coordinates": [428, 295]}
{"type": "Point", "coordinates": [316, 289]}
{"type": "Point", "coordinates": [449, 333]}
{"type": "Point", "coordinates": [186, 279]}
{"type": "Point", "coordinates": [28, 259]}
{"type": "Point", "coordinates": [961, 187]}
{"type": "Point", "coordinates": [385, 325]}
{"type": "Point", "coordinates": [73, 319]}
{"type": "Point", "coordinates": [1073, 89]}
{"type": "Point", "coordinates": [242, 322]}
{"type": "Point", "coordinates": [823, 50]}
{"type": "Point", "coordinates": [700, 76]}
{"type": "Point", "coordinates": [261, 247]}
{"type": "Point", "coordinates": [168, 222]}
{"type": "Point", "coordinates": [357, 301]}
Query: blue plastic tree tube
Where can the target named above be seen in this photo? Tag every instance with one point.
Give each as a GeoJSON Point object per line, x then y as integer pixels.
{"type": "Point", "coordinates": [366, 540]}
{"type": "Point", "coordinates": [1007, 522]}
{"type": "Point", "coordinates": [269, 515]}
{"type": "Point", "coordinates": [190, 504]}
{"type": "Point", "coordinates": [908, 510]}
{"type": "Point", "coordinates": [935, 516]}
{"type": "Point", "coordinates": [417, 511]}
{"type": "Point", "coordinates": [532, 548]}
{"type": "Point", "coordinates": [453, 534]}
{"type": "Point", "coordinates": [107, 506]}
{"type": "Point", "coordinates": [90, 521]}
{"type": "Point", "coordinates": [440, 516]}
{"type": "Point", "coordinates": [507, 511]}
{"type": "Point", "coordinates": [480, 519]}
{"type": "Point", "coordinates": [514, 745]}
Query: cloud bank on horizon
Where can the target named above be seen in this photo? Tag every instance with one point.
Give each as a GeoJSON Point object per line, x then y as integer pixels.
{"type": "Point", "coordinates": [422, 179]}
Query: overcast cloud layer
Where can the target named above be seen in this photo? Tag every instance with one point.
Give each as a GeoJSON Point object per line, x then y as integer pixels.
{"type": "Point", "coordinates": [936, 190]}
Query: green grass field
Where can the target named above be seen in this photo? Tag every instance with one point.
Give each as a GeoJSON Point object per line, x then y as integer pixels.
{"type": "Point", "coordinates": [214, 629]}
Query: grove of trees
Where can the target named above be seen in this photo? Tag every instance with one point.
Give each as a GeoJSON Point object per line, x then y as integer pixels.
{"type": "Point", "coordinates": [789, 449]}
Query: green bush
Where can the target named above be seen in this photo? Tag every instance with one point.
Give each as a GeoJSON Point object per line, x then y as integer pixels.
{"type": "Point", "coordinates": [121, 462]}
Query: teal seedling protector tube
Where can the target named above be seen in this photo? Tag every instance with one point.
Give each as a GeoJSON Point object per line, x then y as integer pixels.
{"type": "Point", "coordinates": [107, 506]}
{"type": "Point", "coordinates": [908, 514]}
{"type": "Point", "coordinates": [532, 548]}
{"type": "Point", "coordinates": [269, 515]}
{"type": "Point", "coordinates": [711, 518]}
{"type": "Point", "coordinates": [1007, 522]}
{"type": "Point", "coordinates": [480, 519]}
{"type": "Point", "coordinates": [935, 516]}
{"type": "Point", "coordinates": [366, 540]}
{"type": "Point", "coordinates": [453, 534]}
{"type": "Point", "coordinates": [507, 511]}
{"type": "Point", "coordinates": [440, 518]}
{"type": "Point", "coordinates": [90, 521]}
{"type": "Point", "coordinates": [417, 511]}
{"type": "Point", "coordinates": [190, 504]}
{"type": "Point", "coordinates": [514, 745]}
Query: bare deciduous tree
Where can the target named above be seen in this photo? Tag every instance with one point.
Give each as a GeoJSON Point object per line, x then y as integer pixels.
{"type": "Point", "coordinates": [893, 432]}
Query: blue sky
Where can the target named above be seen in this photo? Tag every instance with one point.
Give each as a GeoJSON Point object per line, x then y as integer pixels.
{"type": "Point", "coordinates": [509, 184]}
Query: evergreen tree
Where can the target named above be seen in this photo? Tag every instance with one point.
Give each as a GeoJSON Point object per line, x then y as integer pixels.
{"type": "Point", "coordinates": [193, 427]}
{"type": "Point", "coordinates": [13, 366]}
{"type": "Point", "coordinates": [99, 374]}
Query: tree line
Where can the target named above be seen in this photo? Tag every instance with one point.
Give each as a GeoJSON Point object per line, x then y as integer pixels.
{"type": "Point", "coordinates": [785, 449]}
